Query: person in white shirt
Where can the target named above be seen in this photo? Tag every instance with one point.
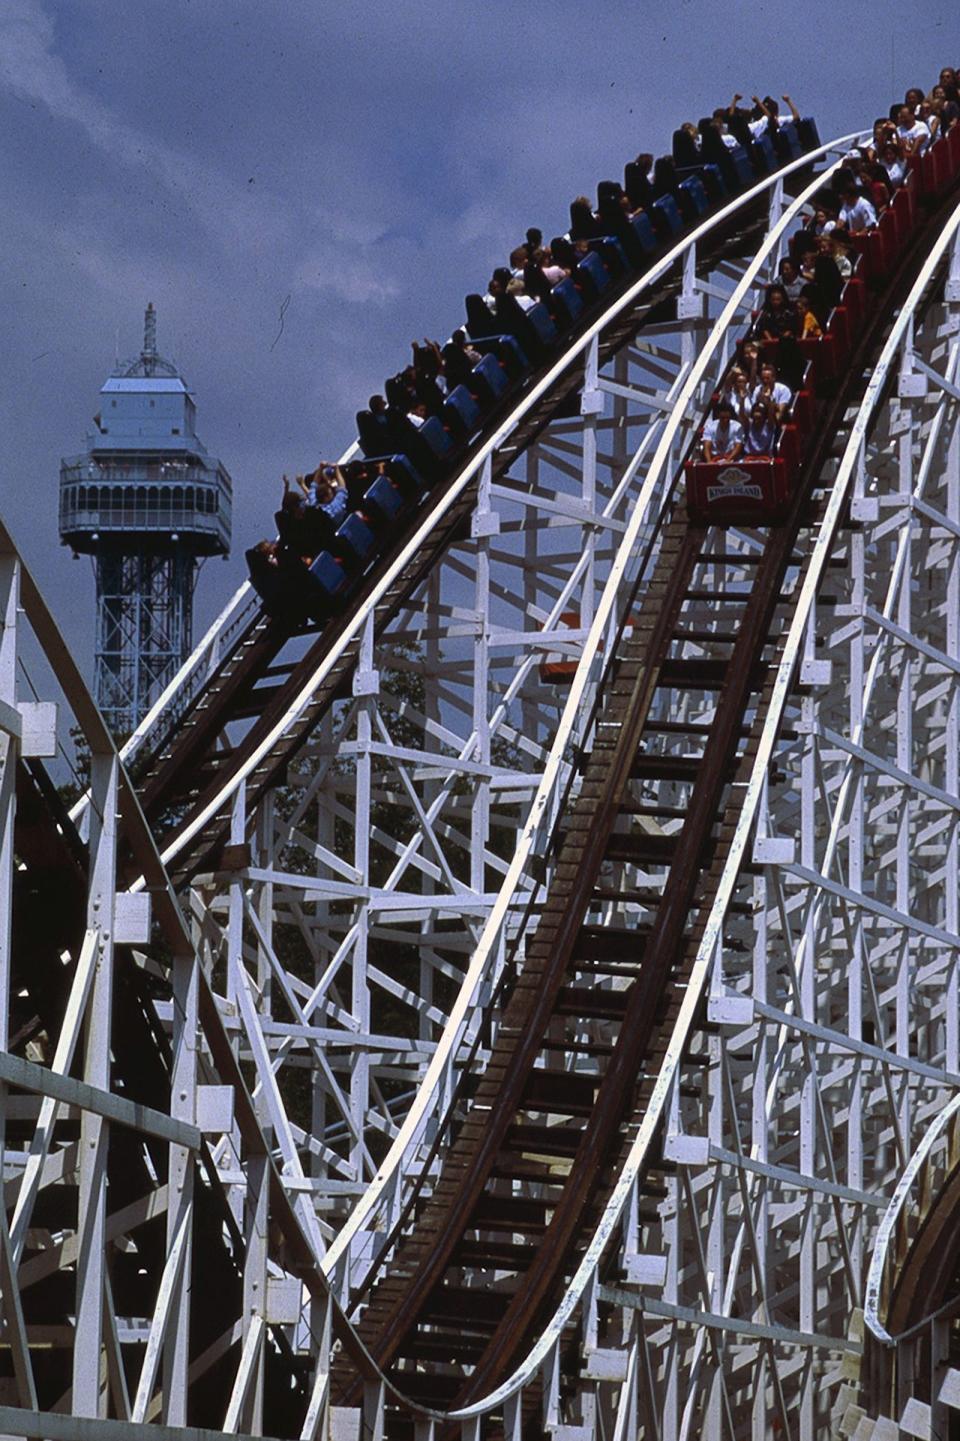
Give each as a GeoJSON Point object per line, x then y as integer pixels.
{"type": "Point", "coordinates": [769, 117]}
{"type": "Point", "coordinates": [761, 125]}
{"type": "Point", "coordinates": [913, 134]}
{"type": "Point", "coordinates": [771, 393]}
{"type": "Point", "coordinates": [720, 124]}
{"type": "Point", "coordinates": [856, 212]}
{"type": "Point", "coordinates": [891, 158]}
{"type": "Point", "coordinates": [723, 434]}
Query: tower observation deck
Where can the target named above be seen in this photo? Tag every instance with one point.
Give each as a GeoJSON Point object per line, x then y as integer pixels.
{"type": "Point", "coordinates": [149, 503]}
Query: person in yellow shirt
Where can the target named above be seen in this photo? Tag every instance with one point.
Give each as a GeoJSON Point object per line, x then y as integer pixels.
{"type": "Point", "coordinates": [810, 328]}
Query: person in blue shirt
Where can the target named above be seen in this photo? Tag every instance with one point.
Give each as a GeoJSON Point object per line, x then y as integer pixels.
{"type": "Point", "coordinates": [761, 430]}
{"type": "Point", "coordinates": [326, 490]}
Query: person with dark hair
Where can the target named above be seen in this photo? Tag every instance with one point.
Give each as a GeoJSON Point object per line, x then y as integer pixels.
{"type": "Point", "coordinates": [738, 122]}
{"type": "Point", "coordinates": [893, 163]}
{"type": "Point", "coordinates": [763, 117]}
{"type": "Point", "coordinates": [295, 530]}
{"type": "Point", "coordinates": [723, 434]}
{"type": "Point", "coordinates": [496, 287]}
{"type": "Point", "coordinates": [856, 212]}
{"type": "Point", "coordinates": [777, 317]}
{"type": "Point", "coordinates": [459, 358]}
{"type": "Point", "coordinates": [807, 253]}
{"type": "Point", "coordinates": [638, 181]}
{"type": "Point", "coordinates": [771, 392]}
{"type": "Point", "coordinates": [750, 360]}
{"type": "Point", "coordinates": [877, 186]}
{"type": "Point", "coordinates": [263, 565]}
{"type": "Point", "coordinates": [358, 478]}
{"type": "Point", "coordinates": [928, 114]}
{"type": "Point", "coordinates": [826, 286]}
{"type": "Point", "coordinates": [376, 429]}
{"type": "Point", "coordinates": [687, 145]}
{"type": "Point", "coordinates": [613, 213]}
{"type": "Point", "coordinates": [280, 579]}
{"type": "Point", "coordinates": [821, 222]}
{"type": "Point", "coordinates": [720, 121]}
{"type": "Point", "coordinates": [584, 225]}
{"type": "Point", "coordinates": [507, 312]}
{"type": "Point", "coordinates": [399, 389]}
{"type": "Point", "coordinates": [563, 253]}
{"type": "Point", "coordinates": [884, 131]}
{"type": "Point", "coordinates": [429, 383]}
{"type": "Point", "coordinates": [541, 273]}
{"type": "Point", "coordinates": [913, 134]}
{"type": "Point", "coordinates": [761, 428]}
{"type": "Point", "coordinates": [790, 278]}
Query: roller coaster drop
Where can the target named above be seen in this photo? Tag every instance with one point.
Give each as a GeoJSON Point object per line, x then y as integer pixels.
{"type": "Point", "coordinates": [545, 981]}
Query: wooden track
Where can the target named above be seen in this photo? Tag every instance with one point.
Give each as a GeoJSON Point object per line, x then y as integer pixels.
{"type": "Point", "coordinates": [483, 1260]}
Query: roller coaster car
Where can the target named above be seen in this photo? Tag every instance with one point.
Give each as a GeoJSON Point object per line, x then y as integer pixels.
{"type": "Point", "coordinates": [754, 490]}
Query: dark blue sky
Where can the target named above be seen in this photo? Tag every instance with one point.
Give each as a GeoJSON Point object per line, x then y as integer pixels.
{"type": "Point", "coordinates": [370, 162]}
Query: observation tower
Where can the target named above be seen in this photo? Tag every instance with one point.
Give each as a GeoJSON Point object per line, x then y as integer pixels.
{"type": "Point", "coordinates": [149, 503]}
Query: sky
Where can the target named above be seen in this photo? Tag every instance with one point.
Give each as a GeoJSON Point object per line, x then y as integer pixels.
{"type": "Point", "coordinates": [301, 188]}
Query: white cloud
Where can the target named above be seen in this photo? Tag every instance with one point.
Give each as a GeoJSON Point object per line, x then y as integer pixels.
{"type": "Point", "coordinates": [350, 277]}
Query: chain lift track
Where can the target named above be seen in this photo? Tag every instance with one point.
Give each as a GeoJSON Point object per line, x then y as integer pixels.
{"type": "Point", "coordinates": [697, 1009]}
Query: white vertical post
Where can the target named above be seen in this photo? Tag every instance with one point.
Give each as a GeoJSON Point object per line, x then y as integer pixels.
{"type": "Point", "coordinates": [591, 407]}
{"type": "Point", "coordinates": [10, 1307]}
{"type": "Point", "coordinates": [484, 524]}
{"type": "Point", "coordinates": [9, 593]}
{"type": "Point", "coordinates": [88, 1392]}
{"type": "Point", "coordinates": [904, 733]}
{"type": "Point", "coordinates": [183, 1106]}
{"type": "Point", "coordinates": [855, 864]}
{"type": "Point", "coordinates": [373, 1422]}
{"type": "Point", "coordinates": [952, 727]}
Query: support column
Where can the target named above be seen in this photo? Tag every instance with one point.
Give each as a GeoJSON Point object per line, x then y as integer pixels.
{"type": "Point", "coordinates": [89, 1394]}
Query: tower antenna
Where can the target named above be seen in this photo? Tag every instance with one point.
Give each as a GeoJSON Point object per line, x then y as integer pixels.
{"type": "Point", "coordinates": [149, 353]}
